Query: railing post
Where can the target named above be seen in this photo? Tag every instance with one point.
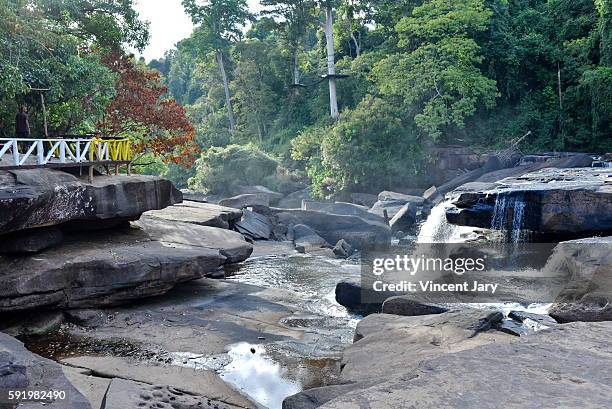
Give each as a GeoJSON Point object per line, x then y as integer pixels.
{"type": "Point", "coordinates": [40, 152]}
{"type": "Point", "coordinates": [62, 148]}
{"type": "Point", "coordinates": [78, 150]}
{"type": "Point", "coordinates": [15, 152]}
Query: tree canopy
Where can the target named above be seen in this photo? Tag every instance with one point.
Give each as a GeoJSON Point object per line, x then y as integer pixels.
{"type": "Point", "coordinates": [411, 75]}
{"type": "Point", "coordinates": [75, 50]}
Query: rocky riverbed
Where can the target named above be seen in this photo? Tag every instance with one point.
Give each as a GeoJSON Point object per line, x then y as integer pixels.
{"type": "Point", "coordinates": [127, 298]}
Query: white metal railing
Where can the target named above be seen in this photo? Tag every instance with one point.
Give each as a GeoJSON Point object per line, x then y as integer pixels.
{"type": "Point", "coordinates": [23, 152]}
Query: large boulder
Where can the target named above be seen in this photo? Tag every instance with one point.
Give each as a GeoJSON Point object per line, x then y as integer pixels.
{"type": "Point", "coordinates": [342, 249]}
{"type": "Point", "coordinates": [273, 196]}
{"type": "Point", "coordinates": [363, 199]}
{"type": "Point", "coordinates": [110, 267]}
{"type": "Point", "coordinates": [587, 263]}
{"type": "Point", "coordinates": [204, 214]}
{"type": "Point", "coordinates": [358, 232]}
{"type": "Point", "coordinates": [194, 196]}
{"type": "Point", "coordinates": [387, 209]}
{"type": "Point", "coordinates": [353, 296]}
{"type": "Point", "coordinates": [455, 360]}
{"type": "Point", "coordinates": [42, 197]}
{"type": "Point", "coordinates": [391, 203]}
{"type": "Point", "coordinates": [254, 225]}
{"type": "Point", "coordinates": [21, 369]}
{"type": "Point", "coordinates": [230, 244]}
{"type": "Point", "coordinates": [404, 219]}
{"type": "Point", "coordinates": [555, 202]}
{"type": "Point", "coordinates": [342, 208]}
{"type": "Point", "coordinates": [387, 344]}
{"type": "Point", "coordinates": [246, 200]}
{"type": "Point", "coordinates": [306, 239]}
{"type": "Point", "coordinates": [294, 200]}
{"type": "Point", "coordinates": [410, 306]}
{"type": "Point", "coordinates": [387, 196]}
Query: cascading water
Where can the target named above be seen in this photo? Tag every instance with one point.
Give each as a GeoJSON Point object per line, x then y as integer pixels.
{"type": "Point", "coordinates": [437, 230]}
{"type": "Point", "coordinates": [504, 204]}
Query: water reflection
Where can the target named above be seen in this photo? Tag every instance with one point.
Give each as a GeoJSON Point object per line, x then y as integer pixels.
{"type": "Point", "coordinates": [257, 375]}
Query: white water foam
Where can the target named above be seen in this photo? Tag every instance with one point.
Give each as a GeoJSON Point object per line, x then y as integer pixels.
{"type": "Point", "coordinates": [437, 230]}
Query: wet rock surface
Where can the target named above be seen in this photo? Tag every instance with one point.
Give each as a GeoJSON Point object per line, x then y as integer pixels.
{"type": "Point", "coordinates": [199, 335]}
{"type": "Point", "coordinates": [21, 369]}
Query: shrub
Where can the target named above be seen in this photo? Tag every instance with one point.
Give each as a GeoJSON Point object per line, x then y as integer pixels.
{"type": "Point", "coordinates": [221, 168]}
{"type": "Point", "coordinates": [369, 149]}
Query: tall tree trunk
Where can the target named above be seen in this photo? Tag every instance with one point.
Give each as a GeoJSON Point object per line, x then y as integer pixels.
{"type": "Point", "coordinates": [331, 62]}
{"type": "Point", "coordinates": [296, 62]}
{"type": "Point", "coordinates": [561, 119]}
{"type": "Point", "coordinates": [228, 100]}
{"type": "Point", "coordinates": [357, 46]}
{"type": "Point", "coordinates": [605, 29]}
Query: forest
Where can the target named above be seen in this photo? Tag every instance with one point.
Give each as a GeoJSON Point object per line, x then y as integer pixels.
{"type": "Point", "coordinates": [246, 98]}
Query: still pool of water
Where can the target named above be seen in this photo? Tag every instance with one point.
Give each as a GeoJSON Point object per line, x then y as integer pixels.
{"type": "Point", "coordinates": [269, 372]}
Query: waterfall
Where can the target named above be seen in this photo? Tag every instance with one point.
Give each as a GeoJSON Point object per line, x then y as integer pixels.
{"type": "Point", "coordinates": [437, 230]}
{"type": "Point", "coordinates": [498, 221]}
{"type": "Point", "coordinates": [517, 219]}
{"type": "Point", "coordinates": [504, 203]}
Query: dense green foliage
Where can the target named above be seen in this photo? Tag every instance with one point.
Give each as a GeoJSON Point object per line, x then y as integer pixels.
{"type": "Point", "coordinates": [419, 74]}
{"type": "Point", "coordinates": [422, 73]}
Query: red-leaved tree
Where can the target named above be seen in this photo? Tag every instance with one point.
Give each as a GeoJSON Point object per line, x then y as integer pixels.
{"type": "Point", "coordinates": [141, 111]}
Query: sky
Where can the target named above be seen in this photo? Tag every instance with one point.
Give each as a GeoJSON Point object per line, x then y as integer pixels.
{"type": "Point", "coordinates": [169, 24]}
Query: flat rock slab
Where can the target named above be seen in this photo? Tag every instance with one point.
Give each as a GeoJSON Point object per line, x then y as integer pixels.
{"type": "Point", "coordinates": [22, 369]}
{"type": "Point", "coordinates": [387, 344]}
{"type": "Point", "coordinates": [92, 387]}
{"type": "Point", "coordinates": [102, 268]}
{"type": "Point", "coordinates": [43, 197]}
{"type": "Point", "coordinates": [123, 394]}
{"type": "Point", "coordinates": [555, 202]}
{"type": "Point", "coordinates": [230, 244]}
{"type": "Point", "coordinates": [568, 366]}
{"type": "Point", "coordinates": [203, 214]}
{"type": "Point", "coordinates": [202, 383]}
